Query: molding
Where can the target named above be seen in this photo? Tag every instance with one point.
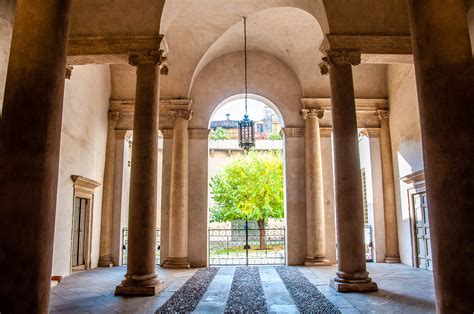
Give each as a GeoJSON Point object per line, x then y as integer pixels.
{"type": "Point", "coordinates": [370, 44]}
{"type": "Point", "coordinates": [325, 132]}
{"type": "Point", "coordinates": [199, 134]}
{"type": "Point", "coordinates": [414, 178]}
{"type": "Point", "coordinates": [167, 133]}
{"type": "Point", "coordinates": [112, 45]}
{"type": "Point", "coordinates": [122, 106]}
{"type": "Point", "coordinates": [293, 132]}
{"type": "Point", "coordinates": [84, 185]}
{"type": "Point", "coordinates": [362, 104]}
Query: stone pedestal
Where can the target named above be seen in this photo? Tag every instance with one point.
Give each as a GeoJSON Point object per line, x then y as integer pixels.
{"type": "Point", "coordinates": [178, 212]}
{"type": "Point", "coordinates": [105, 255]}
{"type": "Point", "coordinates": [315, 223]}
{"type": "Point", "coordinates": [392, 254]}
{"type": "Point", "coordinates": [141, 278]}
{"type": "Point", "coordinates": [30, 131]}
{"type": "Point", "coordinates": [445, 78]}
{"type": "Point", "coordinates": [352, 274]}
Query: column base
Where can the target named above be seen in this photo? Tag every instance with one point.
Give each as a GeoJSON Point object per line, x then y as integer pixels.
{"type": "Point", "coordinates": [353, 282]}
{"type": "Point", "coordinates": [392, 259]}
{"type": "Point", "coordinates": [316, 261]}
{"type": "Point", "coordinates": [177, 263]}
{"type": "Point", "coordinates": [146, 285]}
{"type": "Point", "coordinates": [105, 262]}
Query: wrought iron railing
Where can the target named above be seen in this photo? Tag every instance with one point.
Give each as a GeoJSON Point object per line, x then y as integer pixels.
{"type": "Point", "coordinates": [226, 247]}
{"type": "Point", "coordinates": [125, 246]}
{"type": "Point", "coordinates": [369, 243]}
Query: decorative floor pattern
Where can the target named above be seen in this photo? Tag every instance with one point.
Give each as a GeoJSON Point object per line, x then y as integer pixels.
{"type": "Point", "coordinates": [246, 293]}
{"type": "Point", "coordinates": [306, 296]}
{"type": "Point", "coordinates": [402, 289]}
{"type": "Point", "coordinates": [188, 296]}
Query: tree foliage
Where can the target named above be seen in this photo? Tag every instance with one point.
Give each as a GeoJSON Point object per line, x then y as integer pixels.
{"type": "Point", "coordinates": [249, 187]}
{"type": "Point", "coordinates": [219, 134]}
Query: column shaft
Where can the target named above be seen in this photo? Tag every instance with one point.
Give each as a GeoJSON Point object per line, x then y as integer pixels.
{"type": "Point", "coordinates": [30, 131]}
{"type": "Point", "coordinates": [445, 79]}
{"type": "Point", "coordinates": [141, 278]}
{"type": "Point", "coordinates": [352, 274]}
{"type": "Point", "coordinates": [392, 254]}
{"type": "Point", "coordinates": [178, 214]}
{"type": "Point", "coordinates": [315, 224]}
{"type": "Point", "coordinates": [105, 255]}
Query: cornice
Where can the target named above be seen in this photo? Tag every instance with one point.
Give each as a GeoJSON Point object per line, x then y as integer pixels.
{"type": "Point", "coordinates": [199, 134]}
{"type": "Point", "coordinates": [293, 132]}
{"type": "Point", "coordinates": [414, 178]}
{"type": "Point", "coordinates": [362, 104]}
{"type": "Point", "coordinates": [84, 183]}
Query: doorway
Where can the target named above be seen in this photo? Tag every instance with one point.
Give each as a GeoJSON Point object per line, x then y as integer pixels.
{"type": "Point", "coordinates": [79, 246]}
{"type": "Point", "coordinates": [422, 232]}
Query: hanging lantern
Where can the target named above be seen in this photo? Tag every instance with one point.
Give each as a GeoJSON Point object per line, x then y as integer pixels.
{"type": "Point", "coordinates": [246, 127]}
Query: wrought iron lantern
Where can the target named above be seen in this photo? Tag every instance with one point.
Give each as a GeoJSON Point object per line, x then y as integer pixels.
{"type": "Point", "coordinates": [246, 126]}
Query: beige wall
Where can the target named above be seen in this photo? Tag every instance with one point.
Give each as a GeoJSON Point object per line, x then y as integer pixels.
{"type": "Point", "coordinates": [7, 15]}
{"type": "Point", "coordinates": [82, 152]}
{"type": "Point", "coordinates": [406, 144]}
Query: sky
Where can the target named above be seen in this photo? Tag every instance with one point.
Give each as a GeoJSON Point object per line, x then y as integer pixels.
{"type": "Point", "coordinates": [236, 109]}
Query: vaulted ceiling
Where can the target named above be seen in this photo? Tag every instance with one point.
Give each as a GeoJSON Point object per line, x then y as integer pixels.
{"type": "Point", "coordinates": [197, 32]}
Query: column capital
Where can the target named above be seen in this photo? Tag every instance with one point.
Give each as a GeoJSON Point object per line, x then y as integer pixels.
{"type": "Point", "coordinates": [199, 134]}
{"type": "Point", "coordinates": [383, 114]}
{"type": "Point", "coordinates": [121, 134]}
{"type": "Point", "coordinates": [68, 73]}
{"type": "Point", "coordinates": [371, 132]}
{"type": "Point", "coordinates": [339, 56]}
{"type": "Point", "coordinates": [146, 57]}
{"type": "Point", "coordinates": [167, 133]}
{"type": "Point", "coordinates": [113, 115]}
{"type": "Point", "coordinates": [293, 132]}
{"type": "Point", "coordinates": [312, 113]}
{"type": "Point", "coordinates": [184, 113]}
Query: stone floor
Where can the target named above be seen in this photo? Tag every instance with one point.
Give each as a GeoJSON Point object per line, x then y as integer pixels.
{"type": "Point", "coordinates": [402, 289]}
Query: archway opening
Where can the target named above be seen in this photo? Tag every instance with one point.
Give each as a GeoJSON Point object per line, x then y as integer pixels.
{"type": "Point", "coordinates": [246, 189]}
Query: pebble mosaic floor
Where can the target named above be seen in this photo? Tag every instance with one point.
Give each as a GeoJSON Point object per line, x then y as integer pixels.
{"type": "Point", "coordinates": [402, 289]}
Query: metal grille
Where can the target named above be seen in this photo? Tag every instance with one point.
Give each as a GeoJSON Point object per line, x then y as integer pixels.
{"type": "Point", "coordinates": [226, 247]}
{"type": "Point", "coordinates": [369, 243]}
{"type": "Point", "coordinates": [125, 246]}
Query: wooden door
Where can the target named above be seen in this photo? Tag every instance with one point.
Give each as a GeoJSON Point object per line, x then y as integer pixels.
{"type": "Point", "coordinates": [422, 231]}
{"type": "Point", "coordinates": [79, 228]}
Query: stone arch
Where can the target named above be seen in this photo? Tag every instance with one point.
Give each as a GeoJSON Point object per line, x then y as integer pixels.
{"type": "Point", "coordinates": [221, 80]}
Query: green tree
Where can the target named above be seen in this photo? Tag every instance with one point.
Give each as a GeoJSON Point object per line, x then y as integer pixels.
{"type": "Point", "coordinates": [250, 187]}
{"type": "Point", "coordinates": [219, 134]}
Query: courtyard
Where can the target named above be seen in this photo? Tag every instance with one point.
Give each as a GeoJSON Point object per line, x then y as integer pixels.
{"type": "Point", "coordinates": [402, 289]}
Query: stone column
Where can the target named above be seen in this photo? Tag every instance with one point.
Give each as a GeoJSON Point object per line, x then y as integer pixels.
{"type": "Point", "coordinates": [165, 193]}
{"type": "Point", "coordinates": [178, 212]}
{"type": "Point", "coordinates": [121, 146]}
{"type": "Point", "coordinates": [105, 255]}
{"type": "Point", "coordinates": [352, 274]}
{"type": "Point", "coordinates": [315, 224]}
{"type": "Point", "coordinates": [141, 277]}
{"type": "Point", "coordinates": [445, 78]}
{"type": "Point", "coordinates": [30, 132]}
{"type": "Point", "coordinates": [392, 254]}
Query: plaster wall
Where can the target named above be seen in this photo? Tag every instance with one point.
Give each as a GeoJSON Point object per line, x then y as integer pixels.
{"type": "Point", "coordinates": [7, 15]}
{"type": "Point", "coordinates": [406, 145]}
{"type": "Point", "coordinates": [82, 152]}
{"type": "Point", "coordinates": [328, 181]}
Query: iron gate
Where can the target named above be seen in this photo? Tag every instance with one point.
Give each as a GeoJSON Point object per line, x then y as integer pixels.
{"type": "Point", "coordinates": [229, 246]}
{"type": "Point", "coordinates": [125, 246]}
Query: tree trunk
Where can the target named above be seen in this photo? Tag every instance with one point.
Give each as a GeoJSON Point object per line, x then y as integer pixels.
{"type": "Point", "coordinates": [261, 226]}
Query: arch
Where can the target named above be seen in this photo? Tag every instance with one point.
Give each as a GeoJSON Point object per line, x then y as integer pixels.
{"type": "Point", "coordinates": [256, 97]}
{"type": "Point", "coordinates": [269, 77]}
